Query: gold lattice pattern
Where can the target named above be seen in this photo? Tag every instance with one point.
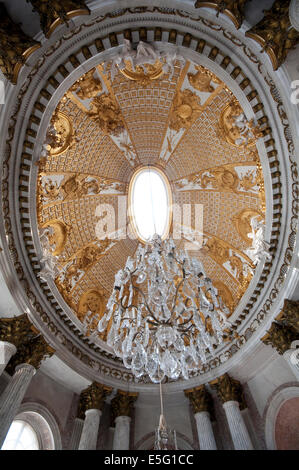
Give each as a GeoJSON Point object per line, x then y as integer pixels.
{"type": "Point", "coordinates": [102, 130]}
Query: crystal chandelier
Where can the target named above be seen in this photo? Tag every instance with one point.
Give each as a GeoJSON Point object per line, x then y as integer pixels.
{"type": "Point", "coordinates": [164, 313]}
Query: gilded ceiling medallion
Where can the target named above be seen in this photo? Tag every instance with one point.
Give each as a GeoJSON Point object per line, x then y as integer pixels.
{"type": "Point", "coordinates": [90, 309]}
{"type": "Point", "coordinates": [242, 222]}
{"type": "Point", "coordinates": [186, 109]}
{"type": "Point", "coordinates": [235, 128]}
{"type": "Point", "coordinates": [226, 295]}
{"type": "Point", "coordinates": [60, 136]}
{"type": "Point", "coordinates": [58, 237]}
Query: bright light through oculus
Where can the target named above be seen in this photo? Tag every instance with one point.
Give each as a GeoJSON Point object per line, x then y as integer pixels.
{"type": "Point", "coordinates": [150, 203]}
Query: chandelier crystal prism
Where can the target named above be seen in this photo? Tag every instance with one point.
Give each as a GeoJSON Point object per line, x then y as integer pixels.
{"type": "Point", "coordinates": [164, 315]}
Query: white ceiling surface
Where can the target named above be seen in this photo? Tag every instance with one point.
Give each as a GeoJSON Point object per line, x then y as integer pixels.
{"type": "Point", "coordinates": [8, 307]}
{"type": "Point", "coordinates": [57, 370]}
{"type": "Point", "coordinates": [21, 13]}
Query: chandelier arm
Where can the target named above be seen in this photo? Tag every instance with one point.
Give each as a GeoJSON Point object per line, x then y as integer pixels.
{"type": "Point", "coordinates": [146, 304]}
{"type": "Point", "coordinates": [176, 296]}
{"type": "Point", "coordinates": [186, 321]}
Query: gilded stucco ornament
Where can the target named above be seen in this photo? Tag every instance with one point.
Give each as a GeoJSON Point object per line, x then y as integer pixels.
{"type": "Point", "coordinates": [90, 309]}
{"type": "Point", "coordinates": [226, 178]}
{"type": "Point", "coordinates": [186, 109]}
{"type": "Point", "coordinates": [32, 352]}
{"type": "Point", "coordinates": [226, 295]}
{"type": "Point", "coordinates": [105, 111]}
{"type": "Point", "coordinates": [122, 403]}
{"type": "Point", "coordinates": [15, 46]}
{"type": "Point", "coordinates": [55, 12]}
{"type": "Point", "coordinates": [75, 267]}
{"type": "Point", "coordinates": [200, 399]}
{"type": "Point", "coordinates": [280, 337]}
{"type": "Point", "coordinates": [234, 9]}
{"type": "Point", "coordinates": [143, 63]}
{"type": "Point", "coordinates": [235, 128]}
{"type": "Point", "coordinates": [57, 234]}
{"type": "Point", "coordinates": [217, 249]}
{"type": "Point", "coordinates": [202, 79]}
{"type": "Point", "coordinates": [93, 398]}
{"type": "Point", "coordinates": [242, 222]}
{"type": "Point", "coordinates": [229, 389]}
{"type": "Point", "coordinates": [275, 33]}
{"type": "Point", "coordinates": [60, 187]}
{"type": "Point", "coordinates": [60, 135]}
{"type": "Point", "coordinates": [16, 330]}
{"type": "Point", "coordinates": [289, 314]}
{"type": "Point", "coordinates": [88, 86]}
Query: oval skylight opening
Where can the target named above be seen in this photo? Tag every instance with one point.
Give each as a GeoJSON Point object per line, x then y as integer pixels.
{"type": "Point", "coordinates": [150, 203]}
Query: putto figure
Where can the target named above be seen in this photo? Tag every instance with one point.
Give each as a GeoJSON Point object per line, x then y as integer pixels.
{"type": "Point", "coordinates": [260, 248]}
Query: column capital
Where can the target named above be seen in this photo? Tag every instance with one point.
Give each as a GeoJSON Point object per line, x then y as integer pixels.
{"type": "Point", "coordinates": [122, 403]}
{"type": "Point", "coordinates": [229, 389]}
{"type": "Point", "coordinates": [15, 46]}
{"type": "Point", "coordinates": [234, 10]}
{"type": "Point", "coordinates": [289, 315]}
{"type": "Point", "coordinates": [55, 12]}
{"type": "Point", "coordinates": [275, 33]}
{"type": "Point", "coordinates": [279, 337]}
{"type": "Point", "coordinates": [17, 330]}
{"type": "Point", "coordinates": [32, 352]}
{"type": "Point", "coordinates": [200, 399]}
{"type": "Point", "coordinates": [93, 397]}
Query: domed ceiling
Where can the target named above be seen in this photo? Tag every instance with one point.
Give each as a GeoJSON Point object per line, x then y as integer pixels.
{"type": "Point", "coordinates": [104, 128]}
{"type": "Point", "coordinates": [207, 114]}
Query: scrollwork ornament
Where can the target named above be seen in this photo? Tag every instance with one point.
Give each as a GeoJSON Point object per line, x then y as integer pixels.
{"type": "Point", "coordinates": [54, 12]}
{"type": "Point", "coordinates": [275, 33]}
{"type": "Point", "coordinates": [232, 8]}
{"type": "Point", "coordinates": [15, 46]}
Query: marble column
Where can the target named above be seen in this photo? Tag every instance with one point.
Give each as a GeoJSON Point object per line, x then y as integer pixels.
{"type": "Point", "coordinates": [230, 393]}
{"type": "Point", "coordinates": [89, 436]}
{"type": "Point", "coordinates": [121, 407]}
{"type": "Point", "coordinates": [237, 427]}
{"type": "Point", "coordinates": [121, 438]}
{"type": "Point", "coordinates": [6, 351]}
{"type": "Point", "coordinates": [91, 403]}
{"type": "Point", "coordinates": [205, 431]}
{"type": "Point", "coordinates": [202, 406]}
{"type": "Point", "coordinates": [76, 434]}
{"type": "Point", "coordinates": [12, 397]}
